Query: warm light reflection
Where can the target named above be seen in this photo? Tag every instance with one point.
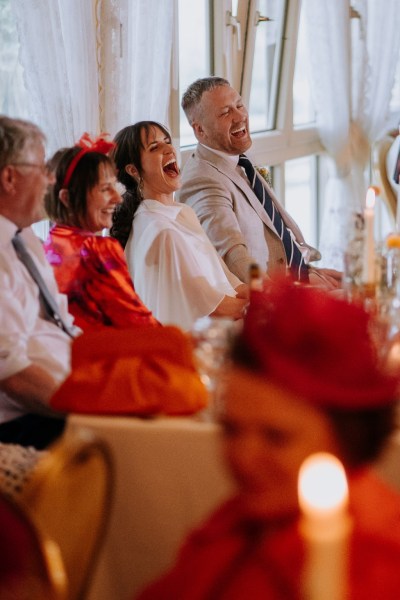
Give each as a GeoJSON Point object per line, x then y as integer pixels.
{"type": "Point", "coordinates": [322, 485]}
{"type": "Point", "coordinates": [393, 357]}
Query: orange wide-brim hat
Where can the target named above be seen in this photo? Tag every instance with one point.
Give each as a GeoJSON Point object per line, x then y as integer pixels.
{"type": "Point", "coordinates": [137, 371]}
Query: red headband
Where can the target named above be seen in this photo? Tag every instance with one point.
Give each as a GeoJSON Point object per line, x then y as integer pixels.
{"type": "Point", "coordinates": [87, 144]}
{"type": "Point", "coordinates": [318, 347]}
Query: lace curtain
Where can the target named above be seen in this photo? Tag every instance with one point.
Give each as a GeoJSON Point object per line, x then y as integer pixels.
{"type": "Point", "coordinates": [352, 74]}
{"type": "Point", "coordinates": [93, 65]}
{"type": "Point", "coordinates": [58, 54]}
{"type": "Point", "coordinates": [135, 51]}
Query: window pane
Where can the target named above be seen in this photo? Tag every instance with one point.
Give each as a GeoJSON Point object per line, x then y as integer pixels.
{"type": "Point", "coordinates": [194, 52]}
{"type": "Point", "coordinates": [300, 195]}
{"type": "Point", "coordinates": [265, 73]}
{"type": "Point", "coordinates": [303, 108]}
{"type": "Point", "coordinates": [12, 89]}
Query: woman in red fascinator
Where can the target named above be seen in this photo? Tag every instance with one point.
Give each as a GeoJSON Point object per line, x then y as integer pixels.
{"type": "Point", "coordinates": [304, 378]}
{"type": "Point", "coordinates": [90, 269]}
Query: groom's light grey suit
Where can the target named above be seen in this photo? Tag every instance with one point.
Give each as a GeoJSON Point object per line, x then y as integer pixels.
{"type": "Point", "coordinates": [231, 214]}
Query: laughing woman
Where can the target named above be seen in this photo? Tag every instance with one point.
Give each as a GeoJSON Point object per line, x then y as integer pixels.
{"type": "Point", "coordinates": [174, 266]}
{"type": "Point", "coordinates": [91, 270]}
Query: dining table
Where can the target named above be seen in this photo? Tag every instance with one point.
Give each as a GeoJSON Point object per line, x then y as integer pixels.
{"type": "Point", "coordinates": [168, 476]}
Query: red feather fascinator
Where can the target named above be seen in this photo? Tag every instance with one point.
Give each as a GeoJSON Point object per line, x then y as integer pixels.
{"type": "Point", "coordinates": [88, 144]}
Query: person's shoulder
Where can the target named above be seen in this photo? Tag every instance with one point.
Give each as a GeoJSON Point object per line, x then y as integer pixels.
{"type": "Point", "coordinates": [104, 248]}
{"type": "Point", "coordinates": [376, 508]}
{"type": "Point", "coordinates": [375, 569]}
{"type": "Point", "coordinates": [151, 229]}
{"type": "Point", "coordinates": [221, 523]}
{"type": "Point", "coordinates": [203, 157]}
{"type": "Point", "coordinates": [201, 174]}
{"type": "Point", "coordinates": [103, 241]}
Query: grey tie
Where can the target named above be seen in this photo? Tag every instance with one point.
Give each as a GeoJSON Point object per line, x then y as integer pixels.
{"type": "Point", "coordinates": [48, 302]}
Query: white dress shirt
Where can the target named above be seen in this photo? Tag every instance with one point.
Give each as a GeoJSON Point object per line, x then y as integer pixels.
{"type": "Point", "coordinates": [26, 337]}
{"type": "Point", "coordinates": [175, 268]}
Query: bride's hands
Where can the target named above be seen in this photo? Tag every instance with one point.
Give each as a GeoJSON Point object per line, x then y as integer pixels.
{"type": "Point", "coordinates": [230, 307]}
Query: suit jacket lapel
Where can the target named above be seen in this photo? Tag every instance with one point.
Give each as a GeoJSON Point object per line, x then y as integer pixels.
{"type": "Point", "coordinates": [228, 169]}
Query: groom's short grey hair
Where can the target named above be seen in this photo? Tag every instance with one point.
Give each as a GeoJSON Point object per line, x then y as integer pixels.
{"type": "Point", "coordinates": [192, 97]}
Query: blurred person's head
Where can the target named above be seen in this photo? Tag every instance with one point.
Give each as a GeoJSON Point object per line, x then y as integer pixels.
{"type": "Point", "coordinates": [24, 177]}
{"type": "Point", "coordinates": [146, 165]}
{"type": "Point", "coordinates": [85, 193]}
{"type": "Point", "coordinates": [218, 115]}
{"type": "Point", "coordinates": [305, 378]}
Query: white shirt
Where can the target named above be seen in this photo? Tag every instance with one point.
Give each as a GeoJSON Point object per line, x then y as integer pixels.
{"type": "Point", "coordinates": [175, 268]}
{"type": "Point", "coordinates": [26, 337]}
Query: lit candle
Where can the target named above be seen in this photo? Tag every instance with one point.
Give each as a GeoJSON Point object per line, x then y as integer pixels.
{"type": "Point", "coordinates": [368, 272]}
{"type": "Point", "coordinates": [325, 526]}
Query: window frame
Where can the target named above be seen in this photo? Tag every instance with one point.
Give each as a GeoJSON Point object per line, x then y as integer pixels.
{"type": "Point", "coordinates": [286, 141]}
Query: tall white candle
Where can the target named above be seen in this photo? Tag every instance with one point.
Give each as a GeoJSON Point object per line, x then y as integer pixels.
{"type": "Point", "coordinates": [325, 526]}
{"type": "Point", "coordinates": [368, 272]}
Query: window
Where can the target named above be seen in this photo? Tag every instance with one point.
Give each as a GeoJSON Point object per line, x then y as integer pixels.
{"type": "Point", "coordinates": [303, 109]}
{"type": "Point", "coordinates": [194, 53]}
{"type": "Point", "coordinates": [300, 185]}
{"type": "Point", "coordinates": [265, 63]}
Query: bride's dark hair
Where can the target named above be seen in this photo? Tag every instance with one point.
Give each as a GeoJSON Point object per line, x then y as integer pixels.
{"type": "Point", "coordinates": [128, 152]}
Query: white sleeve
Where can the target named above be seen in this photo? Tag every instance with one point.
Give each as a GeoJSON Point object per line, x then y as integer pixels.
{"type": "Point", "coordinates": [173, 283]}
{"type": "Point", "coordinates": [13, 337]}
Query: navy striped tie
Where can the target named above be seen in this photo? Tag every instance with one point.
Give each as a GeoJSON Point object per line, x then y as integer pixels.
{"type": "Point", "coordinates": [396, 175]}
{"type": "Point", "coordinates": [294, 256]}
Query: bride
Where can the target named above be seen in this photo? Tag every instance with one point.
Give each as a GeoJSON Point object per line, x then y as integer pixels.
{"type": "Point", "coordinates": [175, 268]}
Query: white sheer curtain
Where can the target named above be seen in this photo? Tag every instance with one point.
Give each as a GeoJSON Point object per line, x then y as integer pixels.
{"type": "Point", "coordinates": [352, 75]}
{"type": "Point", "coordinates": [136, 48]}
{"type": "Point", "coordinates": [58, 54]}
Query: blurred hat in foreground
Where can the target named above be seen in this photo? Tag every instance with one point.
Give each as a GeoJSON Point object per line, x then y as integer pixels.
{"type": "Point", "coordinates": [317, 346]}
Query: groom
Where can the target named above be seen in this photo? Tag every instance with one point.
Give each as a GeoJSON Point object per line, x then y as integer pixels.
{"type": "Point", "coordinates": [242, 216]}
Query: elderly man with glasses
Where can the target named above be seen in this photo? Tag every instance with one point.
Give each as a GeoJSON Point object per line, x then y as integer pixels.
{"type": "Point", "coordinates": [34, 347]}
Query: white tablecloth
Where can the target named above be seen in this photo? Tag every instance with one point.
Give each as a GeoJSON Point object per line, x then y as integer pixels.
{"type": "Point", "coordinates": [169, 476]}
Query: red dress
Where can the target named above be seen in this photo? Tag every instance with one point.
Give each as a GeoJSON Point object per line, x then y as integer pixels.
{"type": "Point", "coordinates": [92, 272]}
{"type": "Point", "coordinates": [230, 558]}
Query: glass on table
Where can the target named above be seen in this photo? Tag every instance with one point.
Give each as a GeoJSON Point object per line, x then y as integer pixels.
{"type": "Point", "coordinates": [212, 338]}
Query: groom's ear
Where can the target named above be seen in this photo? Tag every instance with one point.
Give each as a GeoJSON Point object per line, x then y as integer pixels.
{"type": "Point", "coordinates": [198, 129]}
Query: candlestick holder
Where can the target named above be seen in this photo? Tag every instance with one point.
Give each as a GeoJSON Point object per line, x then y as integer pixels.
{"type": "Point", "coordinates": [363, 286]}
{"type": "Point", "coordinates": [352, 259]}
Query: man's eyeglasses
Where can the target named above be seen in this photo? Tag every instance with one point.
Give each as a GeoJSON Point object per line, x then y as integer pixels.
{"type": "Point", "coordinates": [45, 168]}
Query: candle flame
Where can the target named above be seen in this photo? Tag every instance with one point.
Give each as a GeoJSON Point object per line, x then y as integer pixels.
{"type": "Point", "coordinates": [322, 485]}
{"type": "Point", "coordinates": [370, 199]}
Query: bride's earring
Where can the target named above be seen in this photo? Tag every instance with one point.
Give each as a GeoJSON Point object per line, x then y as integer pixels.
{"type": "Point", "coordinates": [140, 187]}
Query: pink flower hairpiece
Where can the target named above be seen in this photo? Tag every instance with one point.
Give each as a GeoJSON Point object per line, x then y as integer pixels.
{"type": "Point", "coordinates": [87, 144]}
